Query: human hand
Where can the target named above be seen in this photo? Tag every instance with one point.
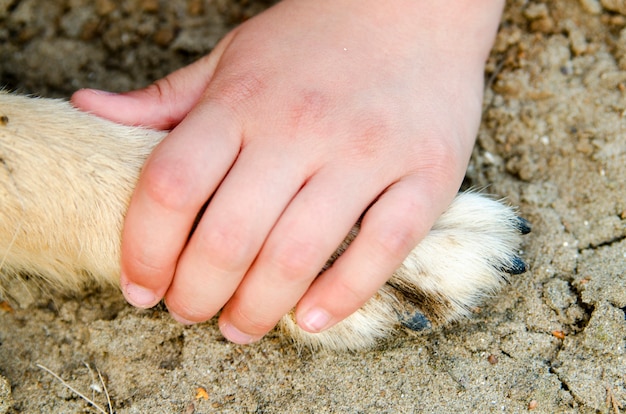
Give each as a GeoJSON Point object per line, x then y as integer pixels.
{"type": "Point", "coordinates": [301, 119]}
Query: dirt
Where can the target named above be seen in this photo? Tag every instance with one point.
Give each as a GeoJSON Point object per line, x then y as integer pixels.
{"type": "Point", "coordinates": [552, 141]}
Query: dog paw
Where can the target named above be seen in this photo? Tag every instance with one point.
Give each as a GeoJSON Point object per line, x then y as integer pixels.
{"type": "Point", "coordinates": [66, 178]}
{"type": "Point", "coordinates": [468, 254]}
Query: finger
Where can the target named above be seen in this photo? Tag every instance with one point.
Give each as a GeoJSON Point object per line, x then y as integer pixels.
{"type": "Point", "coordinates": [178, 178]}
{"type": "Point", "coordinates": [391, 228]}
{"type": "Point", "coordinates": [307, 234]}
{"type": "Point", "coordinates": [161, 105]}
{"type": "Point", "coordinates": [232, 230]}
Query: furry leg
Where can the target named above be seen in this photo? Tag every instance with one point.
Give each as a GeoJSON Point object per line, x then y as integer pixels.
{"type": "Point", "coordinates": [66, 178]}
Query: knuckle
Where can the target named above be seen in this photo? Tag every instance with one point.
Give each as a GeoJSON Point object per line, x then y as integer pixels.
{"type": "Point", "coordinates": [145, 270]}
{"type": "Point", "coordinates": [236, 88]}
{"type": "Point", "coordinates": [394, 240]}
{"type": "Point", "coordinates": [168, 184]}
{"type": "Point", "coordinates": [227, 246]}
{"type": "Point", "coordinates": [164, 93]}
{"type": "Point", "coordinates": [442, 156]}
{"type": "Point", "coordinates": [160, 89]}
{"type": "Point", "coordinates": [295, 258]}
{"type": "Point", "coordinates": [309, 109]}
{"type": "Point", "coordinates": [353, 295]}
{"type": "Point", "coordinates": [374, 129]}
{"type": "Point", "coordinates": [395, 244]}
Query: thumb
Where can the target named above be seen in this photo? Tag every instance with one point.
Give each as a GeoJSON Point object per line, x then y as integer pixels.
{"type": "Point", "coordinates": [163, 104]}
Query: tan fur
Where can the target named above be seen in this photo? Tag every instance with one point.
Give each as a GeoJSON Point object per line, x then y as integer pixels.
{"type": "Point", "coordinates": [66, 178]}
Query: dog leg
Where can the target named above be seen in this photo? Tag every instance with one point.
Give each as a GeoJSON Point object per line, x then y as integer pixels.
{"type": "Point", "coordinates": [66, 178]}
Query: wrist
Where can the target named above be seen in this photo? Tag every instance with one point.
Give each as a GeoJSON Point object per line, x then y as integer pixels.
{"type": "Point", "coordinates": [459, 26]}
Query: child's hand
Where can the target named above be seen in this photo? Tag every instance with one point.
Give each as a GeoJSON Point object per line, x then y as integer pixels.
{"type": "Point", "coordinates": [299, 121]}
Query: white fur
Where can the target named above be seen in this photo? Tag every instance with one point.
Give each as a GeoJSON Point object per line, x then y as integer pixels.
{"type": "Point", "coordinates": [66, 178]}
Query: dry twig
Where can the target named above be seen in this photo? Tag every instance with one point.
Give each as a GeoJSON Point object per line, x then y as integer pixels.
{"type": "Point", "coordinates": [75, 391]}
{"type": "Point", "coordinates": [611, 401]}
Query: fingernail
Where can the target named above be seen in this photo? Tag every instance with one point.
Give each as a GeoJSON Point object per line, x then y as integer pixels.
{"type": "Point", "coordinates": [315, 320]}
{"type": "Point", "coordinates": [235, 335]}
{"type": "Point", "coordinates": [140, 296]}
{"type": "Point", "coordinates": [180, 319]}
{"type": "Point", "coordinates": [101, 92]}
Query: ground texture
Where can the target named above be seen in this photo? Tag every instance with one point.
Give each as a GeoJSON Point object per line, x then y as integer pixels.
{"type": "Point", "coordinates": [552, 140]}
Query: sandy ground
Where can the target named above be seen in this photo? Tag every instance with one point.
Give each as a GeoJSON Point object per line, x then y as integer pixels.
{"type": "Point", "coordinates": [553, 141]}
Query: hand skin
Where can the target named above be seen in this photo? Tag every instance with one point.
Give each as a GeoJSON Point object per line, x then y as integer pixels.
{"type": "Point", "coordinates": [300, 120]}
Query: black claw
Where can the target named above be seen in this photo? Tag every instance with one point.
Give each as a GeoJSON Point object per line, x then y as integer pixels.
{"type": "Point", "coordinates": [415, 322]}
{"type": "Point", "coordinates": [523, 225]}
{"type": "Point", "coordinates": [516, 267]}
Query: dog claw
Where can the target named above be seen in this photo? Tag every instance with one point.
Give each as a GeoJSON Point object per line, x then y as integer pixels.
{"type": "Point", "coordinates": [523, 225]}
{"type": "Point", "coordinates": [416, 321]}
{"type": "Point", "coordinates": [516, 267]}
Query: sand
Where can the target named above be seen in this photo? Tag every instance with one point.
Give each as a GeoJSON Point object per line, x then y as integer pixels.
{"type": "Point", "coordinates": [552, 141]}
